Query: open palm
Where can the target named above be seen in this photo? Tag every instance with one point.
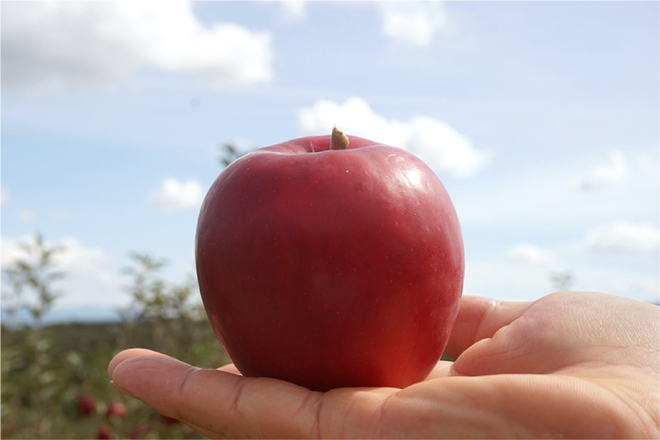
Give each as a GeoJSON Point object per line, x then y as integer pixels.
{"type": "Point", "coordinates": [572, 364]}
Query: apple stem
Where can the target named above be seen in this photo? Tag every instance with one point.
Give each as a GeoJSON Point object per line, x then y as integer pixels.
{"type": "Point", "coordinates": [338, 140]}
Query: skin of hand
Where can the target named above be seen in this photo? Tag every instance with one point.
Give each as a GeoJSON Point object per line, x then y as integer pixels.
{"type": "Point", "coordinates": [571, 364]}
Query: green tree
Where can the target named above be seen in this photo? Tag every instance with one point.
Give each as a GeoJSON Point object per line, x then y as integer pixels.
{"type": "Point", "coordinates": [166, 316]}
{"type": "Point", "coordinates": [27, 378]}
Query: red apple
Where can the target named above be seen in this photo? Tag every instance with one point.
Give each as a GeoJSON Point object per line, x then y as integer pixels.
{"type": "Point", "coordinates": [330, 267]}
{"type": "Point", "coordinates": [86, 405]}
{"type": "Point", "coordinates": [103, 433]}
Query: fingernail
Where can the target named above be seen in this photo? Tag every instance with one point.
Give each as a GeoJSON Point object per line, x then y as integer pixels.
{"type": "Point", "coordinates": [453, 372]}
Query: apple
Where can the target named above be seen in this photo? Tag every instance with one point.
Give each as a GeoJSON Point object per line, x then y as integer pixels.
{"type": "Point", "coordinates": [330, 261]}
{"type": "Point", "coordinates": [86, 405]}
{"type": "Point", "coordinates": [116, 408]}
{"type": "Point", "coordinates": [103, 433]}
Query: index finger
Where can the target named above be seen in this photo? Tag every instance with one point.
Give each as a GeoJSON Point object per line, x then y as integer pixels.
{"type": "Point", "coordinates": [479, 318]}
{"type": "Point", "coordinates": [229, 405]}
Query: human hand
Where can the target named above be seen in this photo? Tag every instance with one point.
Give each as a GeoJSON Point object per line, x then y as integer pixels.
{"type": "Point", "coordinates": [571, 364]}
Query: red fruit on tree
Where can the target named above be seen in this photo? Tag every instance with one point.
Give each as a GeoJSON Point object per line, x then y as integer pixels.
{"type": "Point", "coordinates": [116, 408]}
{"type": "Point", "coordinates": [86, 406]}
{"type": "Point", "coordinates": [330, 261]}
{"type": "Point", "coordinates": [103, 433]}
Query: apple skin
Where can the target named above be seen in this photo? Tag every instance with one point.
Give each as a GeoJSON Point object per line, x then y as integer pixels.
{"type": "Point", "coordinates": [330, 268]}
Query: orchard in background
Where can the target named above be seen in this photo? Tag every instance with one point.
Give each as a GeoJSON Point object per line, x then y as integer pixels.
{"type": "Point", "coordinates": [54, 378]}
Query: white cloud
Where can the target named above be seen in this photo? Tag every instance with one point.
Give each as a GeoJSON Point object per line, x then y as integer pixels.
{"type": "Point", "coordinates": [75, 256]}
{"type": "Point", "coordinates": [174, 195]}
{"type": "Point", "coordinates": [432, 140]}
{"type": "Point", "coordinates": [10, 251]}
{"type": "Point", "coordinates": [624, 237]}
{"type": "Point", "coordinates": [506, 280]}
{"type": "Point", "coordinates": [78, 257]}
{"type": "Point", "coordinates": [90, 276]}
{"type": "Point", "coordinates": [294, 9]}
{"type": "Point", "coordinates": [50, 45]}
{"type": "Point", "coordinates": [604, 175]}
{"type": "Point", "coordinates": [646, 164]}
{"type": "Point", "coordinates": [528, 253]}
{"type": "Point", "coordinates": [412, 22]}
{"type": "Point", "coordinates": [439, 144]}
{"type": "Point", "coordinates": [617, 281]}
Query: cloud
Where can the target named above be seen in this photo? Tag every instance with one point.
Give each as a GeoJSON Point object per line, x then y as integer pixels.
{"type": "Point", "coordinates": [79, 257]}
{"type": "Point", "coordinates": [10, 251]}
{"type": "Point", "coordinates": [607, 174]}
{"type": "Point", "coordinates": [294, 10]}
{"type": "Point", "coordinates": [174, 195]}
{"type": "Point", "coordinates": [90, 275]}
{"type": "Point", "coordinates": [432, 140]}
{"type": "Point", "coordinates": [528, 253]}
{"type": "Point", "coordinates": [507, 280]}
{"type": "Point", "coordinates": [412, 22]}
{"type": "Point", "coordinates": [52, 45]}
{"type": "Point", "coordinates": [624, 237]}
{"type": "Point", "coordinates": [75, 255]}
{"type": "Point", "coordinates": [619, 281]}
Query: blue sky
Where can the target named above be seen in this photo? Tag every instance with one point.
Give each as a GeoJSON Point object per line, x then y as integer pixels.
{"type": "Point", "coordinates": [541, 119]}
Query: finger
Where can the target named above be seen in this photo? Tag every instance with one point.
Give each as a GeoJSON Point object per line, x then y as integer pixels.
{"type": "Point", "coordinates": [228, 405]}
{"type": "Point", "coordinates": [479, 318]}
{"type": "Point", "coordinates": [131, 353]}
{"type": "Point", "coordinates": [135, 352]}
{"type": "Point", "coordinates": [230, 368]}
{"type": "Point", "coordinates": [201, 430]}
{"type": "Point", "coordinates": [442, 369]}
